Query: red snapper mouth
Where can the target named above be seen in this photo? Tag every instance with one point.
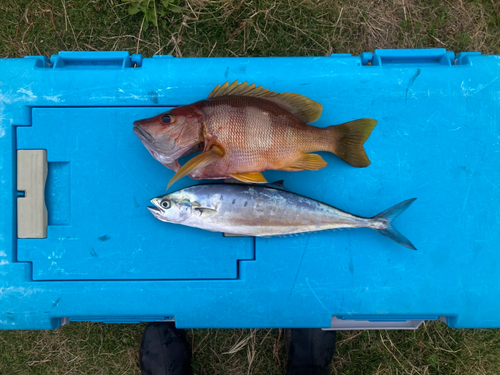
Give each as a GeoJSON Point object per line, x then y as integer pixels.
{"type": "Point", "coordinates": [142, 134]}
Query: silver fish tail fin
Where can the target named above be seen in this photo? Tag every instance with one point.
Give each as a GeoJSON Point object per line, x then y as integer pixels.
{"type": "Point", "coordinates": [388, 216]}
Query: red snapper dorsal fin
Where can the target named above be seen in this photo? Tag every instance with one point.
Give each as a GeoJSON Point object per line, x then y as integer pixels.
{"type": "Point", "coordinates": [305, 109]}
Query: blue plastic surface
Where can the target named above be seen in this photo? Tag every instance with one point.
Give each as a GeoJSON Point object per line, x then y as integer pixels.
{"type": "Point", "coordinates": [86, 156]}
{"type": "Point", "coordinates": [106, 258]}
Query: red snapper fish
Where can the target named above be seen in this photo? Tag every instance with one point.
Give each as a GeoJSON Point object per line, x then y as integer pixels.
{"type": "Point", "coordinates": [243, 130]}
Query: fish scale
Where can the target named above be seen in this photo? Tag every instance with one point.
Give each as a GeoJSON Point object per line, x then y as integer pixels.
{"type": "Point", "coordinates": [286, 138]}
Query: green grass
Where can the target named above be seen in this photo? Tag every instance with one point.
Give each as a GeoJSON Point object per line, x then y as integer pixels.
{"type": "Point", "coordinates": [250, 28]}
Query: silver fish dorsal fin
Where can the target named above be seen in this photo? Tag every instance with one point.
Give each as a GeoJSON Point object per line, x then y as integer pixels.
{"type": "Point", "coordinates": [305, 109]}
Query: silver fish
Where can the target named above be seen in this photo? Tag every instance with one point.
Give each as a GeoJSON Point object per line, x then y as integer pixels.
{"type": "Point", "coordinates": [265, 210]}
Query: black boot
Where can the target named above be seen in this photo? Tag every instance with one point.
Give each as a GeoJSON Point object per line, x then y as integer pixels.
{"type": "Point", "coordinates": [309, 350]}
{"type": "Point", "coordinates": [164, 350]}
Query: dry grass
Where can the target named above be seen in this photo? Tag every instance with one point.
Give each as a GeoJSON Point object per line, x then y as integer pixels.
{"type": "Point", "coordinates": [94, 348]}
{"type": "Point", "coordinates": [432, 349]}
{"type": "Point", "coordinates": [237, 352]}
{"type": "Point", "coordinates": [78, 348]}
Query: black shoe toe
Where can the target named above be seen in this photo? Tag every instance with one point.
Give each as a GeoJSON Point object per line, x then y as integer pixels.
{"type": "Point", "coordinates": [164, 350]}
{"type": "Point", "coordinates": [309, 351]}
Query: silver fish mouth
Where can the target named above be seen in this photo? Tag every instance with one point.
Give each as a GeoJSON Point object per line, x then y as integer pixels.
{"type": "Point", "coordinates": [157, 213]}
{"type": "Point", "coordinates": [154, 210]}
{"type": "Point", "coordinates": [142, 134]}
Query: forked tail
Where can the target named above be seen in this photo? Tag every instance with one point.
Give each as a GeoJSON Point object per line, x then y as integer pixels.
{"type": "Point", "coordinates": [348, 141]}
{"type": "Point", "coordinates": [388, 216]}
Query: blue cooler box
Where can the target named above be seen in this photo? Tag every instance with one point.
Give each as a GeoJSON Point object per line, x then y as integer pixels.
{"type": "Point", "coordinates": [77, 242]}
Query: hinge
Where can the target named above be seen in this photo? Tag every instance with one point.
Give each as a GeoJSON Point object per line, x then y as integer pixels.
{"type": "Point", "coordinates": [463, 58]}
{"type": "Point", "coordinates": [86, 60]}
{"type": "Point", "coordinates": [383, 57]}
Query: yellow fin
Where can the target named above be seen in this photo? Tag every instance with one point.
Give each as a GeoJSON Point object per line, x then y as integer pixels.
{"type": "Point", "coordinates": [305, 109]}
{"type": "Point", "coordinates": [348, 140]}
{"type": "Point", "coordinates": [254, 177]}
{"type": "Point", "coordinates": [311, 162]}
{"type": "Point", "coordinates": [198, 162]}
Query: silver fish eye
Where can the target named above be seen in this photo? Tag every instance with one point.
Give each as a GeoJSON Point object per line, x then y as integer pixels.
{"type": "Point", "coordinates": [165, 204]}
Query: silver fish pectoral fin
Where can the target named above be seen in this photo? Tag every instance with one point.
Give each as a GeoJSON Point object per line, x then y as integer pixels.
{"type": "Point", "coordinates": [204, 211]}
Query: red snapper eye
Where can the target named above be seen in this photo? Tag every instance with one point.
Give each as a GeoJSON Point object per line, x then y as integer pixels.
{"type": "Point", "coordinates": [167, 119]}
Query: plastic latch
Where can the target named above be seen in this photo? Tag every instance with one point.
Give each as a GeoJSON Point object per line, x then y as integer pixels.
{"type": "Point", "coordinates": [383, 57]}
{"type": "Point", "coordinates": [378, 322]}
{"type": "Point", "coordinates": [463, 58]}
{"type": "Point", "coordinates": [136, 60]}
{"type": "Point", "coordinates": [86, 60]}
{"type": "Point", "coordinates": [340, 324]}
{"type": "Point", "coordinates": [32, 217]}
{"type": "Point", "coordinates": [121, 319]}
{"type": "Point", "coordinates": [63, 321]}
{"type": "Point", "coordinates": [387, 318]}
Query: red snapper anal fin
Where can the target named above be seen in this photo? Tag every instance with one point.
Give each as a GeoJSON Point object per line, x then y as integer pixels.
{"type": "Point", "coordinates": [251, 177]}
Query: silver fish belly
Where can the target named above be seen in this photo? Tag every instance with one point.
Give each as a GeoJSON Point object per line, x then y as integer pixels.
{"type": "Point", "coordinates": [264, 210]}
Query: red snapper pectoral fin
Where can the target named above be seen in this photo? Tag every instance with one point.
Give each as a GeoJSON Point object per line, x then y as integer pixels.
{"type": "Point", "coordinates": [200, 161]}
